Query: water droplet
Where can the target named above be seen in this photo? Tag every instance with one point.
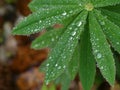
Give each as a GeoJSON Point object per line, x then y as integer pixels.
{"type": "Point", "coordinates": [79, 24]}
{"type": "Point", "coordinates": [102, 23]}
{"type": "Point", "coordinates": [52, 39]}
{"type": "Point", "coordinates": [97, 39]}
{"type": "Point", "coordinates": [80, 4]}
{"type": "Point", "coordinates": [56, 65]}
{"type": "Point", "coordinates": [64, 14]}
{"type": "Point", "coordinates": [40, 21]}
{"type": "Point", "coordinates": [101, 67]}
{"type": "Point", "coordinates": [64, 66]}
{"type": "Point", "coordinates": [74, 33]}
{"type": "Point", "coordinates": [47, 82]}
{"type": "Point", "coordinates": [43, 42]}
{"type": "Point", "coordinates": [59, 67]}
{"type": "Point", "coordinates": [47, 65]}
{"type": "Point", "coordinates": [99, 55]}
{"type": "Point", "coordinates": [96, 51]}
{"type": "Point", "coordinates": [118, 43]}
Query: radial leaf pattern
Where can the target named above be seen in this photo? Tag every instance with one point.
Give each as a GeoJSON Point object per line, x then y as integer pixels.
{"type": "Point", "coordinates": [102, 18]}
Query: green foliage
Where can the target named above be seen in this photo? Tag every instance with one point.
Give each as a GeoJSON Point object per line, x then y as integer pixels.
{"type": "Point", "coordinates": [87, 62]}
{"type": "Point", "coordinates": [90, 28]}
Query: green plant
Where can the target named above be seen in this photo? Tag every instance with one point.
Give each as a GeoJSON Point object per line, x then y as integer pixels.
{"type": "Point", "coordinates": [90, 29]}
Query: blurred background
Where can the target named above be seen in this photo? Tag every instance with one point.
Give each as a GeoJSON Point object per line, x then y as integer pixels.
{"type": "Point", "coordinates": [19, 64]}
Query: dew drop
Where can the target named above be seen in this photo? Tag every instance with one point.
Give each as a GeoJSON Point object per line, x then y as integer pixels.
{"type": "Point", "coordinates": [64, 66]}
{"type": "Point", "coordinates": [118, 43]}
{"type": "Point", "coordinates": [64, 14]}
{"type": "Point", "coordinates": [56, 65]}
{"type": "Point", "coordinates": [80, 4]}
{"type": "Point", "coordinates": [52, 39]}
{"type": "Point", "coordinates": [74, 33]}
{"type": "Point", "coordinates": [59, 67]}
{"type": "Point", "coordinates": [43, 42]}
{"type": "Point", "coordinates": [102, 23]}
{"type": "Point", "coordinates": [101, 67]}
{"type": "Point", "coordinates": [80, 23]}
{"type": "Point", "coordinates": [99, 55]}
{"type": "Point", "coordinates": [40, 21]}
{"type": "Point", "coordinates": [47, 65]}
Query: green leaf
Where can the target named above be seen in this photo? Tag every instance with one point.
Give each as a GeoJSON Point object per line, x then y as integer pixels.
{"type": "Point", "coordinates": [115, 8]}
{"type": "Point", "coordinates": [87, 65]}
{"type": "Point", "coordinates": [50, 38]}
{"type": "Point", "coordinates": [110, 14]}
{"type": "Point", "coordinates": [61, 54]}
{"type": "Point", "coordinates": [47, 40]}
{"type": "Point", "coordinates": [111, 30]}
{"type": "Point", "coordinates": [101, 50]}
{"type": "Point", "coordinates": [117, 63]}
{"type": "Point", "coordinates": [103, 3]}
{"type": "Point", "coordinates": [64, 80]}
{"type": "Point", "coordinates": [74, 64]}
{"type": "Point", "coordinates": [45, 4]}
{"type": "Point", "coordinates": [40, 20]}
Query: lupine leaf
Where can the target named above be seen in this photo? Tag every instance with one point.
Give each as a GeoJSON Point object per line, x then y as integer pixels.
{"type": "Point", "coordinates": [50, 38]}
{"type": "Point", "coordinates": [101, 50]}
{"type": "Point", "coordinates": [64, 80]}
{"type": "Point", "coordinates": [45, 4]}
{"type": "Point", "coordinates": [110, 14]}
{"type": "Point", "coordinates": [115, 8]}
{"type": "Point", "coordinates": [103, 3]}
{"type": "Point", "coordinates": [111, 30]}
{"type": "Point", "coordinates": [117, 63]}
{"type": "Point", "coordinates": [47, 40]}
{"type": "Point", "coordinates": [73, 65]}
{"type": "Point", "coordinates": [61, 54]}
{"type": "Point", "coordinates": [87, 66]}
{"type": "Point", "coordinates": [40, 20]}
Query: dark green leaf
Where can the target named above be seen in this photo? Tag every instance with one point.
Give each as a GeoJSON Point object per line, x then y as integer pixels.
{"type": "Point", "coordinates": [74, 64]}
{"type": "Point", "coordinates": [103, 3]}
{"type": "Point", "coordinates": [42, 19]}
{"type": "Point", "coordinates": [87, 66]}
{"type": "Point", "coordinates": [101, 50]}
{"type": "Point", "coordinates": [111, 30]}
{"type": "Point", "coordinates": [115, 8]}
{"type": "Point", "coordinates": [45, 4]}
{"type": "Point", "coordinates": [61, 54]}
{"type": "Point", "coordinates": [50, 38]}
{"type": "Point", "coordinates": [110, 14]}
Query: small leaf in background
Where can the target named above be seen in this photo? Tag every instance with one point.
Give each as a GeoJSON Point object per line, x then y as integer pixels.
{"type": "Point", "coordinates": [101, 50]}
{"type": "Point", "coordinates": [87, 66]}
